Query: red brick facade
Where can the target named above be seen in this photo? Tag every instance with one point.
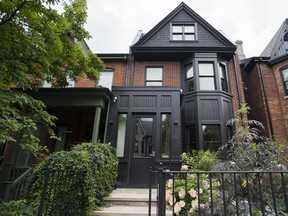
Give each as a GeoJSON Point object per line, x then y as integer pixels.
{"type": "Point", "coordinates": [277, 102]}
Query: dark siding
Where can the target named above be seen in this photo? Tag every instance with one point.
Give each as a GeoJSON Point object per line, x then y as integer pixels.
{"type": "Point", "coordinates": [162, 37]}
{"type": "Point", "coordinates": [209, 109]}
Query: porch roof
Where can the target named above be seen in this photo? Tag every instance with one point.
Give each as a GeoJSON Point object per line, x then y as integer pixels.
{"type": "Point", "coordinates": [66, 97]}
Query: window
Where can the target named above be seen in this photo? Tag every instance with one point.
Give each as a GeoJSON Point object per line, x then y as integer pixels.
{"type": "Point", "coordinates": [122, 119]}
{"type": "Point", "coordinates": [206, 76]}
{"type": "Point", "coordinates": [191, 138]}
{"type": "Point", "coordinates": [154, 76]}
{"type": "Point", "coordinates": [166, 134]}
{"type": "Point", "coordinates": [183, 32]}
{"type": "Point", "coordinates": [211, 137]}
{"type": "Point", "coordinates": [106, 79]}
{"type": "Point", "coordinates": [222, 74]}
{"type": "Point", "coordinates": [190, 78]}
{"type": "Point", "coordinates": [285, 79]}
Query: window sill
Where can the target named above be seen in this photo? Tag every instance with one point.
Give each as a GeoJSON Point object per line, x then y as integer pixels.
{"type": "Point", "coordinates": [184, 41]}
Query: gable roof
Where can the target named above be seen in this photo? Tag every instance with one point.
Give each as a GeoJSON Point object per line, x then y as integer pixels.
{"type": "Point", "coordinates": [158, 38]}
{"type": "Point", "coordinates": [277, 47]}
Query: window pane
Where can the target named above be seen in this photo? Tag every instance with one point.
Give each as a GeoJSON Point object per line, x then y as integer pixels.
{"type": "Point", "coordinates": [285, 74]}
{"type": "Point", "coordinates": [189, 71]}
{"type": "Point", "coordinates": [189, 29]}
{"type": "Point", "coordinates": [154, 74]}
{"type": "Point", "coordinates": [206, 69]}
{"type": "Point", "coordinates": [153, 83]}
{"type": "Point", "coordinates": [177, 36]}
{"type": "Point", "coordinates": [189, 37]}
{"type": "Point", "coordinates": [222, 71]}
{"type": "Point", "coordinates": [190, 85]}
{"type": "Point", "coordinates": [191, 138]}
{"type": "Point", "coordinates": [122, 119]}
{"type": "Point", "coordinates": [177, 29]}
{"type": "Point", "coordinates": [211, 137]}
{"type": "Point", "coordinates": [166, 135]}
{"type": "Point", "coordinates": [143, 137]}
{"type": "Point", "coordinates": [207, 83]}
{"type": "Point", "coordinates": [106, 79]}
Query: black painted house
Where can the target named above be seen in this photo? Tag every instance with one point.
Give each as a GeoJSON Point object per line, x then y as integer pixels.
{"type": "Point", "coordinates": [174, 92]}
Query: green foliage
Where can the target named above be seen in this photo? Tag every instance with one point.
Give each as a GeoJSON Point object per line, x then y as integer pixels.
{"type": "Point", "coordinates": [16, 208]}
{"type": "Point", "coordinates": [23, 114]}
{"type": "Point", "coordinates": [98, 160]}
{"type": "Point", "coordinates": [200, 160]}
{"type": "Point", "coordinates": [37, 43]}
{"type": "Point", "coordinates": [247, 150]}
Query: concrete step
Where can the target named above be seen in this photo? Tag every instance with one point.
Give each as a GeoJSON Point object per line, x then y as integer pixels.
{"type": "Point", "coordinates": [130, 201]}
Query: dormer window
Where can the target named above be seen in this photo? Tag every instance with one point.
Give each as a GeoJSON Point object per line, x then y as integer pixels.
{"type": "Point", "coordinates": [183, 32]}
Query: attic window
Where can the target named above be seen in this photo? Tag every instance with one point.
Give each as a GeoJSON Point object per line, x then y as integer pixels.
{"type": "Point", "coordinates": [182, 32]}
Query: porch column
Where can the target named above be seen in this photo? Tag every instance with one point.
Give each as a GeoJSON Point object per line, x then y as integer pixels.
{"type": "Point", "coordinates": [96, 124]}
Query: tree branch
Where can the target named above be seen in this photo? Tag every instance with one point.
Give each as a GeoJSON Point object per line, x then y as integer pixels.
{"type": "Point", "coordinates": [3, 21]}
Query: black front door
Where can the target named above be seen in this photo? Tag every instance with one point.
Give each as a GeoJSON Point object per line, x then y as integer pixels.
{"type": "Point", "coordinates": [142, 150]}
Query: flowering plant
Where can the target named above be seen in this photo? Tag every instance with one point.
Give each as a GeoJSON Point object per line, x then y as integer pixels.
{"type": "Point", "coordinates": [191, 192]}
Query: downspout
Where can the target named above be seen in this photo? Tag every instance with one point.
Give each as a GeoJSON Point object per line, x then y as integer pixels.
{"type": "Point", "coordinates": [237, 82]}
{"type": "Point", "coordinates": [266, 99]}
{"type": "Point", "coordinates": [132, 71]}
{"type": "Point", "coordinates": [125, 71]}
{"type": "Point", "coordinates": [107, 118]}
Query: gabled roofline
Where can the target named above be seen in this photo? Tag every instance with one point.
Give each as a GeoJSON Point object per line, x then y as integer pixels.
{"type": "Point", "coordinates": [191, 12]}
{"type": "Point", "coordinates": [278, 59]}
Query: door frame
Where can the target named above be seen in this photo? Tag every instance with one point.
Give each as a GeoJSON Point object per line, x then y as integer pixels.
{"type": "Point", "coordinates": [150, 159]}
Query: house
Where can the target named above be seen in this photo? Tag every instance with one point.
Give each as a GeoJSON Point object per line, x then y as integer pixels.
{"type": "Point", "coordinates": [182, 82]}
{"type": "Point", "coordinates": [265, 78]}
{"type": "Point", "coordinates": [173, 92]}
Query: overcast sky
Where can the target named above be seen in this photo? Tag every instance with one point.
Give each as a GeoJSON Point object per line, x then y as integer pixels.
{"type": "Point", "coordinates": [114, 23]}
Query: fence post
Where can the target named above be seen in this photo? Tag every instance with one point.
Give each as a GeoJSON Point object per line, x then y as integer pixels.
{"type": "Point", "coordinates": [43, 195]}
{"type": "Point", "coordinates": [162, 193]}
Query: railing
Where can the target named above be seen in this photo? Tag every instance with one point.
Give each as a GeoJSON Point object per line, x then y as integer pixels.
{"type": "Point", "coordinates": [63, 193]}
{"type": "Point", "coordinates": [222, 193]}
{"type": "Point", "coordinates": [16, 188]}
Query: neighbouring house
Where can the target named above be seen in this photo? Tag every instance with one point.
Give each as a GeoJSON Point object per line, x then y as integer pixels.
{"type": "Point", "coordinates": [266, 83]}
{"type": "Point", "coordinates": [174, 91]}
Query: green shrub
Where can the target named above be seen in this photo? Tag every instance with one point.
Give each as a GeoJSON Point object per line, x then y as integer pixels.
{"type": "Point", "coordinates": [99, 163]}
{"type": "Point", "coordinates": [16, 208]}
{"type": "Point", "coordinates": [200, 160]}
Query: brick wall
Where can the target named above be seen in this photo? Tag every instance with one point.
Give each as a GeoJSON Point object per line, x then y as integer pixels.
{"type": "Point", "coordinates": [278, 105]}
{"type": "Point", "coordinates": [233, 84]}
{"type": "Point", "coordinates": [171, 72]}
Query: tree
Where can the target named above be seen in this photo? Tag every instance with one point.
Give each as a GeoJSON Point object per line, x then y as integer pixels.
{"type": "Point", "coordinates": [38, 43]}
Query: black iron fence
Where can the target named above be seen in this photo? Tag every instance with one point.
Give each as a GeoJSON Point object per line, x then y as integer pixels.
{"type": "Point", "coordinates": [222, 193]}
{"type": "Point", "coordinates": [63, 193]}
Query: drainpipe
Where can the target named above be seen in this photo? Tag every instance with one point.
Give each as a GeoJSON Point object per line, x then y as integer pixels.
{"type": "Point", "coordinates": [266, 99]}
{"type": "Point", "coordinates": [132, 71]}
{"type": "Point", "coordinates": [237, 82]}
{"type": "Point", "coordinates": [125, 71]}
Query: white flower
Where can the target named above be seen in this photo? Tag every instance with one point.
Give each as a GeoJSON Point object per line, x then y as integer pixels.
{"type": "Point", "coordinates": [181, 193]}
{"type": "Point", "coordinates": [168, 195]}
{"type": "Point", "coordinates": [194, 204]}
{"type": "Point", "coordinates": [170, 183]}
{"type": "Point", "coordinates": [177, 208]}
{"type": "Point", "coordinates": [182, 203]}
{"type": "Point", "coordinates": [184, 167]}
{"type": "Point", "coordinates": [193, 193]}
